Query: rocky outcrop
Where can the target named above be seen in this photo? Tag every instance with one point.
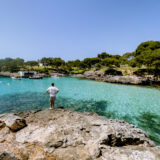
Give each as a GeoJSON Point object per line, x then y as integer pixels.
{"type": "Point", "coordinates": [12, 121]}
{"type": "Point", "coordinates": [123, 79]}
{"type": "Point", "coordinates": [67, 135]}
{"type": "Point", "coordinates": [8, 74]}
{"type": "Point", "coordinates": [5, 155]}
{"type": "Point", "coordinates": [102, 76]}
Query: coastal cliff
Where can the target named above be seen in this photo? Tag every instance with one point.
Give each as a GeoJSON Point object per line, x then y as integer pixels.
{"type": "Point", "coordinates": [61, 134]}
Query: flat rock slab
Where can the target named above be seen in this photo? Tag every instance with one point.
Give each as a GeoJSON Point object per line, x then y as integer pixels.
{"type": "Point", "coordinates": [67, 135]}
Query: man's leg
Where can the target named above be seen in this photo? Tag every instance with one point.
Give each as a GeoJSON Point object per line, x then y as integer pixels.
{"type": "Point", "coordinates": [53, 103]}
{"type": "Point", "coordinates": [50, 103]}
{"type": "Point", "coordinates": [53, 100]}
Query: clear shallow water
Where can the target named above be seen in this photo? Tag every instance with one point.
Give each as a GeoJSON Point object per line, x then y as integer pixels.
{"type": "Point", "coordinates": [136, 105]}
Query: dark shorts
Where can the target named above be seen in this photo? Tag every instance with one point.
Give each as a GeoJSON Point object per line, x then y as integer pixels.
{"type": "Point", "coordinates": [51, 98]}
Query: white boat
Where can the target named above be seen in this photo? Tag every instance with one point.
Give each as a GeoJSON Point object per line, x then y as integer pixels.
{"type": "Point", "coordinates": [18, 78]}
{"type": "Point", "coordinates": [36, 77]}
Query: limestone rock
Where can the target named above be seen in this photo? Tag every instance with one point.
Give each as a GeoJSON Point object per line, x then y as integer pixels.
{"type": "Point", "coordinates": [2, 125]}
{"type": "Point", "coordinates": [102, 76]}
{"type": "Point", "coordinates": [131, 153]}
{"type": "Point", "coordinates": [67, 135]}
{"type": "Point", "coordinates": [123, 79]}
{"type": "Point", "coordinates": [13, 122]}
{"type": "Point", "coordinates": [5, 155]}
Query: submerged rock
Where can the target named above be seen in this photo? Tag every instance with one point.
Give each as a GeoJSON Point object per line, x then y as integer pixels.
{"type": "Point", "coordinates": [67, 135]}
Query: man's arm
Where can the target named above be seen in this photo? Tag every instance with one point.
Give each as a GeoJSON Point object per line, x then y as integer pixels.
{"type": "Point", "coordinates": [47, 91]}
{"type": "Point", "coordinates": [57, 90]}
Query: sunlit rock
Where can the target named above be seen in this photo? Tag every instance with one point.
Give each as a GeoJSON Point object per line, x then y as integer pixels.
{"type": "Point", "coordinates": [67, 135]}
{"type": "Point", "coordinates": [12, 121]}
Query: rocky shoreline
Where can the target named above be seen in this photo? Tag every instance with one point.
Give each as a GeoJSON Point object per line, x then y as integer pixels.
{"type": "Point", "coordinates": [61, 134]}
{"type": "Point", "coordinates": [132, 80]}
{"type": "Point", "coordinates": [8, 74]}
{"type": "Point", "coordinates": [100, 76]}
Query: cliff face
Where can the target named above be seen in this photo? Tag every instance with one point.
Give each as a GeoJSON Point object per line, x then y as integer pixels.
{"type": "Point", "coordinates": [67, 135]}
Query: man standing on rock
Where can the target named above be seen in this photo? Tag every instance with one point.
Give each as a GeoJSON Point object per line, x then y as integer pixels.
{"type": "Point", "coordinates": [52, 91]}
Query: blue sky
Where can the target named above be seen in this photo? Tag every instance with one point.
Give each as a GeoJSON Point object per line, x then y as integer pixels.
{"type": "Point", "coordinates": [75, 29]}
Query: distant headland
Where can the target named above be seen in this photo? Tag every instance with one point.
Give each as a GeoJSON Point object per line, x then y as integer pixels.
{"type": "Point", "coordinates": [141, 66]}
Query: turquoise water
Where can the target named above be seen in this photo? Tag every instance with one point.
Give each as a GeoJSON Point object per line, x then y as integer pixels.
{"type": "Point", "coordinates": [136, 105]}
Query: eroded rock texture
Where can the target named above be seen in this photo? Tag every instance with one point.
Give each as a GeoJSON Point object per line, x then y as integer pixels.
{"type": "Point", "coordinates": [67, 135]}
{"type": "Point", "coordinates": [102, 76]}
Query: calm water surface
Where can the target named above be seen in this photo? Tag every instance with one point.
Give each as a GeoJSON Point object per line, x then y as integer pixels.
{"type": "Point", "coordinates": [136, 105]}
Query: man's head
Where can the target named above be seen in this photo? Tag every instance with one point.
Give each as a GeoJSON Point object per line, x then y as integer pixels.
{"type": "Point", "coordinates": [52, 84]}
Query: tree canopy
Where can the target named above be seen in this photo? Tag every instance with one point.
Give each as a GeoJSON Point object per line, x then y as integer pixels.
{"type": "Point", "coordinates": [147, 54]}
{"type": "Point", "coordinates": [11, 65]}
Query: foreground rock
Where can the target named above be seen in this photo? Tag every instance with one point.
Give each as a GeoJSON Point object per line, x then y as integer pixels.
{"type": "Point", "coordinates": [7, 156]}
{"type": "Point", "coordinates": [12, 121]}
{"type": "Point", "coordinates": [67, 135]}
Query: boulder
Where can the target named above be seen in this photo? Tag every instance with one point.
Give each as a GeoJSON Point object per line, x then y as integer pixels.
{"type": "Point", "coordinates": [12, 121]}
{"type": "Point", "coordinates": [2, 124]}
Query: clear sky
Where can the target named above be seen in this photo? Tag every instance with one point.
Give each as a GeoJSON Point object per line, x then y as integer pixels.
{"type": "Point", "coordinates": [75, 29]}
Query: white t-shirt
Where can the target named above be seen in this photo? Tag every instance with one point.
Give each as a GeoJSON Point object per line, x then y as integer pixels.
{"type": "Point", "coordinates": [52, 91]}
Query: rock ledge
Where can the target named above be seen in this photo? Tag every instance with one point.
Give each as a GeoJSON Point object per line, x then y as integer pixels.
{"type": "Point", "coordinates": [67, 135]}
